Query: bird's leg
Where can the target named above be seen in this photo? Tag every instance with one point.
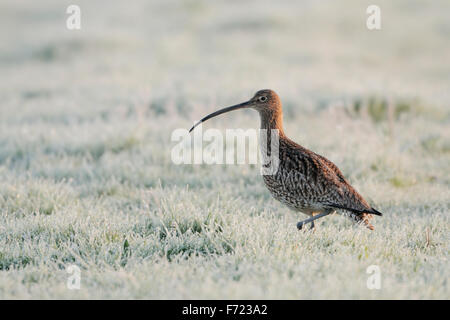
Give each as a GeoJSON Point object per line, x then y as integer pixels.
{"type": "Point", "coordinates": [312, 226]}
{"type": "Point", "coordinates": [323, 214]}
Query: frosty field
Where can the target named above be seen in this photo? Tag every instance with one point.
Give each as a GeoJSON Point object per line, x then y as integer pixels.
{"type": "Point", "coordinates": [87, 180]}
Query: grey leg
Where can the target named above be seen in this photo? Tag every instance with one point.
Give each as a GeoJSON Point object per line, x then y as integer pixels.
{"type": "Point", "coordinates": [323, 214]}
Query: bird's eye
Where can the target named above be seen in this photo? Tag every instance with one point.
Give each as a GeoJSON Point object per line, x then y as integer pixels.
{"type": "Point", "coordinates": [263, 99]}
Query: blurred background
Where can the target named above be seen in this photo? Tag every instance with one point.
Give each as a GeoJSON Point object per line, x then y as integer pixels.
{"type": "Point", "coordinates": [86, 118]}
{"type": "Point", "coordinates": [134, 73]}
{"type": "Point", "coordinates": [196, 52]}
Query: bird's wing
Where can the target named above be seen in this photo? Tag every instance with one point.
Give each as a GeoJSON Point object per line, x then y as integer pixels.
{"type": "Point", "coordinates": [347, 198]}
{"type": "Point", "coordinates": [342, 194]}
{"type": "Point", "coordinates": [333, 168]}
{"type": "Point", "coordinates": [371, 210]}
{"type": "Point", "coordinates": [323, 182]}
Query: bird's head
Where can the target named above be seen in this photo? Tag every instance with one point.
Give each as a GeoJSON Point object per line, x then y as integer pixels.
{"type": "Point", "coordinates": [264, 101]}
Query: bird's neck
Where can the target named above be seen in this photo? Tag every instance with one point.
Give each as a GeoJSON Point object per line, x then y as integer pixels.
{"type": "Point", "coordinates": [272, 120]}
{"type": "Point", "coordinates": [271, 134]}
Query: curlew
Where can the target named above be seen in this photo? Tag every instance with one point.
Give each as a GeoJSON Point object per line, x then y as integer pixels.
{"type": "Point", "coordinates": [304, 181]}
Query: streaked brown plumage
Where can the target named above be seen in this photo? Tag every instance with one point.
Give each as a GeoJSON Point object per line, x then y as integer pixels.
{"type": "Point", "coordinates": [305, 181]}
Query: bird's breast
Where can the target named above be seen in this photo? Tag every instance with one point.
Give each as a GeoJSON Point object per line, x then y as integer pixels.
{"type": "Point", "coordinates": [287, 187]}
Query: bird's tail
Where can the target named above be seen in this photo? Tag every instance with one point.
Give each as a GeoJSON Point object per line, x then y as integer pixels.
{"type": "Point", "coordinates": [364, 218]}
{"type": "Point", "coordinates": [360, 216]}
{"type": "Point", "coordinates": [376, 212]}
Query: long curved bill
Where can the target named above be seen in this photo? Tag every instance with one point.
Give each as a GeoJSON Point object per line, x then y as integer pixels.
{"type": "Point", "coordinates": [224, 110]}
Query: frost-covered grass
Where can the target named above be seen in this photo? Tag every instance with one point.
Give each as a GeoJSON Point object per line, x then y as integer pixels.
{"type": "Point", "coordinates": [86, 176]}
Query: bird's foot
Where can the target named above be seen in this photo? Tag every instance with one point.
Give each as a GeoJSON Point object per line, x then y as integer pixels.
{"type": "Point", "coordinates": [302, 223]}
{"type": "Point", "coordinates": [323, 214]}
